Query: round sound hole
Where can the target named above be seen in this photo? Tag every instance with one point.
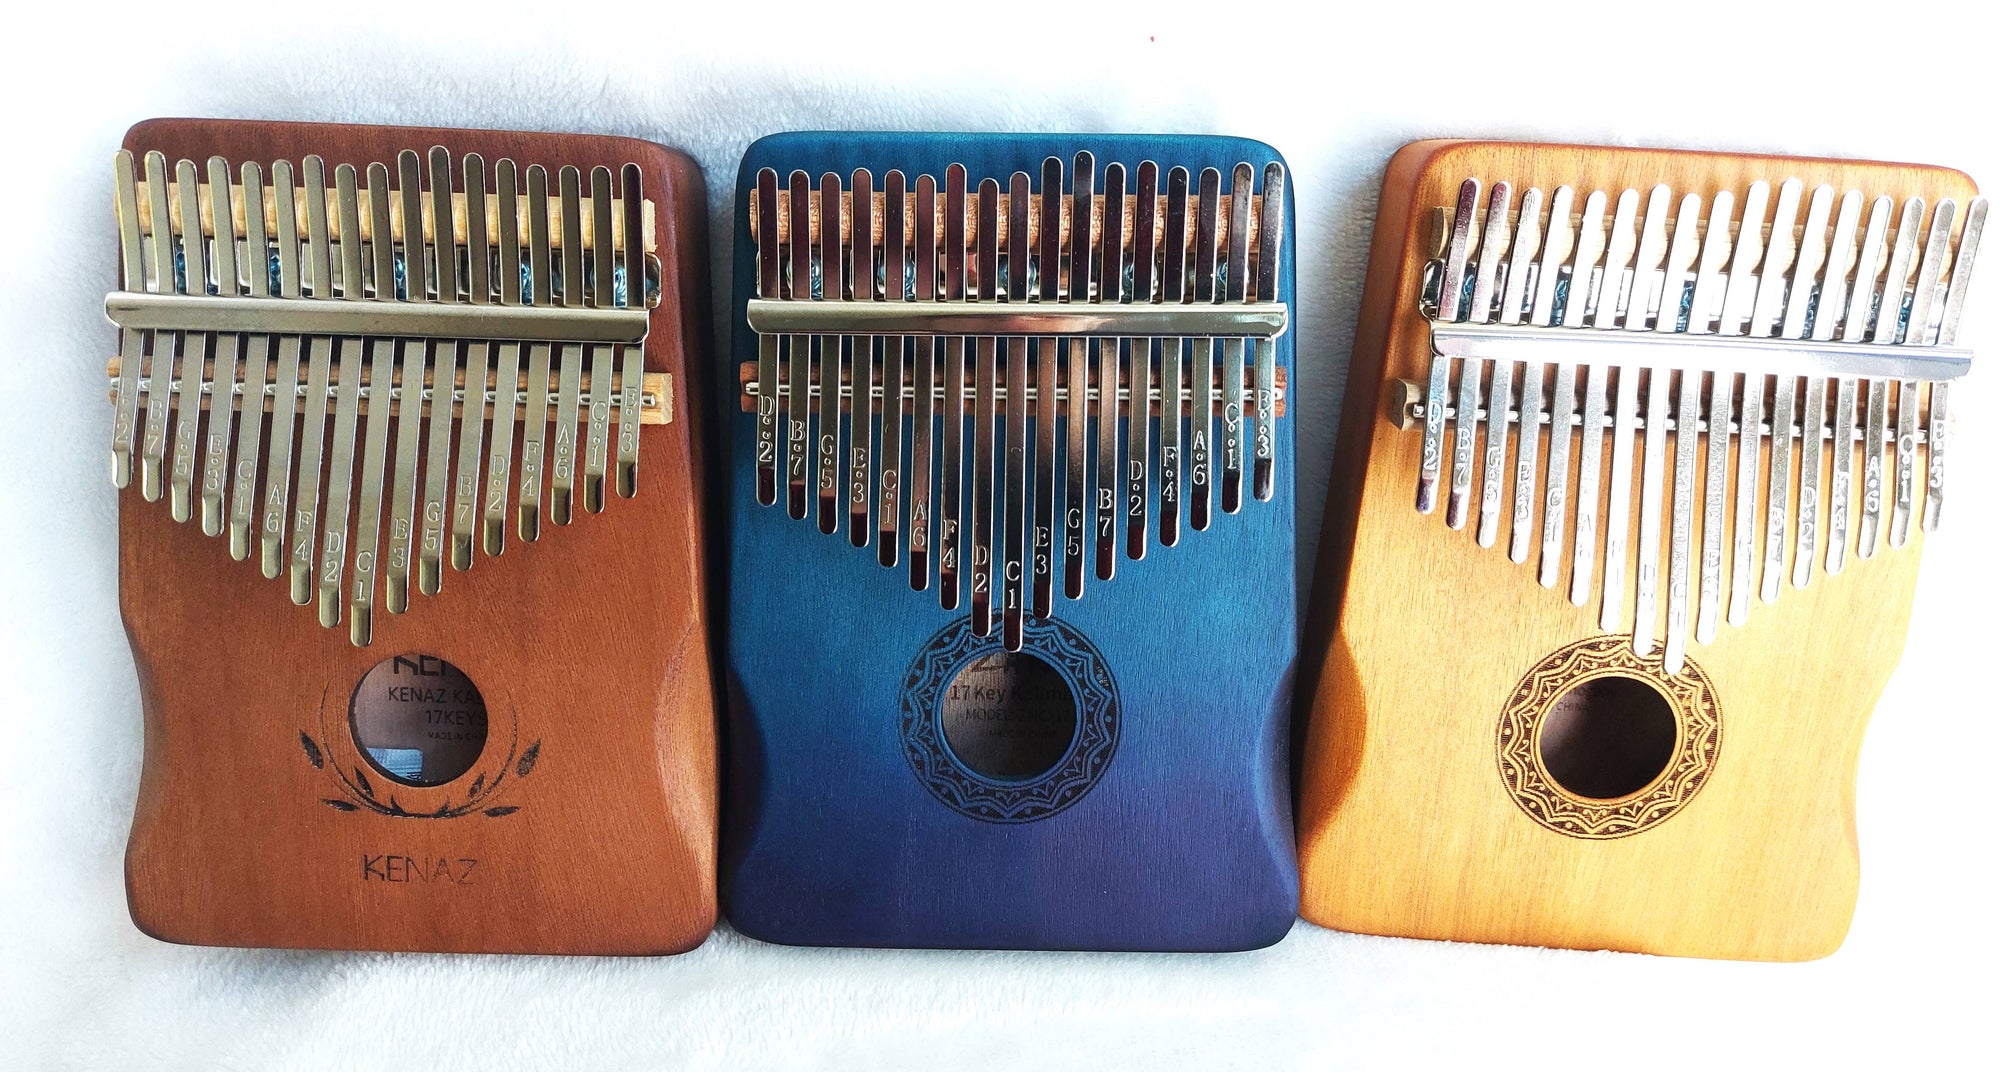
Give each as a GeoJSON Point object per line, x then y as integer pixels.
{"type": "Point", "coordinates": [1009, 716]}
{"type": "Point", "coordinates": [1608, 737]}
{"type": "Point", "coordinates": [418, 719]}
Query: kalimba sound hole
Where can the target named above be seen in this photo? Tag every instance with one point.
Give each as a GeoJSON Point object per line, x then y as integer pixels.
{"type": "Point", "coordinates": [1009, 716]}
{"type": "Point", "coordinates": [418, 719]}
{"type": "Point", "coordinates": [1608, 737]}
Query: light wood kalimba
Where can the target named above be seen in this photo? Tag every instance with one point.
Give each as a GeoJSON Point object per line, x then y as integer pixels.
{"type": "Point", "coordinates": [1639, 452]}
{"type": "Point", "coordinates": [358, 364]}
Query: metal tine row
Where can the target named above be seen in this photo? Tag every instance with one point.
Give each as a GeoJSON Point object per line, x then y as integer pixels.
{"type": "Point", "coordinates": [1663, 269]}
{"type": "Point", "coordinates": [1021, 388]}
{"type": "Point", "coordinates": [315, 385]}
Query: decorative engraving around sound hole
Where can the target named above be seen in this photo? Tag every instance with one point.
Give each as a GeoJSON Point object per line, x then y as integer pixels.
{"type": "Point", "coordinates": [1592, 711]}
{"type": "Point", "coordinates": [985, 732]}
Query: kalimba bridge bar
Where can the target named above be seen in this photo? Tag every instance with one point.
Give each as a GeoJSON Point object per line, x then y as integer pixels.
{"type": "Point", "coordinates": [266, 315]}
{"type": "Point", "coordinates": [1069, 301]}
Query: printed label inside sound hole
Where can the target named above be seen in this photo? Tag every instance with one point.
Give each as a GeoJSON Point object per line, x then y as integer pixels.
{"type": "Point", "coordinates": [1009, 716]}
{"type": "Point", "coordinates": [1608, 737]}
{"type": "Point", "coordinates": [418, 719]}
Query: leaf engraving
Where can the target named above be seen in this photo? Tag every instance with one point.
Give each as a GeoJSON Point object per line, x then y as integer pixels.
{"type": "Point", "coordinates": [361, 780]}
{"type": "Point", "coordinates": [338, 805]}
{"type": "Point", "coordinates": [502, 810]}
{"type": "Point", "coordinates": [528, 759]}
{"type": "Point", "coordinates": [313, 754]}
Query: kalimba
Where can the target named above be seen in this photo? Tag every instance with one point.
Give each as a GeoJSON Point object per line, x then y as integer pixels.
{"type": "Point", "coordinates": [1639, 451]}
{"type": "Point", "coordinates": [358, 364]}
{"type": "Point", "coordinates": [982, 376]}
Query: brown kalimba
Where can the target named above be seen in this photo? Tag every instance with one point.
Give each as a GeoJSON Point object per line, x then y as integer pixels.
{"type": "Point", "coordinates": [359, 363]}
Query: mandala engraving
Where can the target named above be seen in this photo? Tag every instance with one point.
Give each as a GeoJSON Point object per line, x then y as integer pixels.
{"type": "Point", "coordinates": [1697, 715]}
{"type": "Point", "coordinates": [965, 791]}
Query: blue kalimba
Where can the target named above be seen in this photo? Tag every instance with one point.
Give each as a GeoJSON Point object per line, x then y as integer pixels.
{"type": "Point", "coordinates": [1011, 605]}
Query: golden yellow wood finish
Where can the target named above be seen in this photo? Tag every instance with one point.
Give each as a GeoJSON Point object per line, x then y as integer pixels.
{"type": "Point", "coordinates": [1418, 638]}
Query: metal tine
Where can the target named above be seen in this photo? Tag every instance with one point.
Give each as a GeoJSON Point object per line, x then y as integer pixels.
{"type": "Point", "coordinates": [1264, 381]}
{"type": "Point", "coordinates": [1449, 310]}
{"type": "Point", "coordinates": [1111, 289]}
{"type": "Point", "coordinates": [535, 421]}
{"type": "Point", "coordinates": [1526, 242]}
{"type": "Point", "coordinates": [500, 449]}
{"type": "Point", "coordinates": [798, 350]}
{"type": "Point", "coordinates": [832, 288]}
{"type": "Point", "coordinates": [1237, 289]}
{"type": "Point", "coordinates": [983, 415]}
{"type": "Point", "coordinates": [888, 507]}
{"type": "Point", "coordinates": [1083, 182]}
{"type": "Point", "coordinates": [1583, 254]}
{"type": "Point", "coordinates": [256, 356]}
{"type": "Point", "coordinates": [1828, 305]}
{"type": "Point", "coordinates": [415, 355]}
{"type": "Point", "coordinates": [1618, 250]}
{"type": "Point", "coordinates": [1854, 328]}
{"type": "Point", "coordinates": [478, 354]}
{"type": "Point", "coordinates": [194, 351]}
{"type": "Point", "coordinates": [1954, 307]}
{"type": "Point", "coordinates": [132, 276]}
{"type": "Point", "coordinates": [632, 359]}
{"type": "Point", "coordinates": [861, 281]}
{"type": "Point", "coordinates": [1786, 272]}
{"type": "Point", "coordinates": [1556, 245]}
{"type": "Point", "coordinates": [1705, 310]}
{"type": "Point", "coordinates": [444, 373]}
{"type": "Point", "coordinates": [1930, 276]}
{"type": "Point", "coordinates": [381, 375]}
{"type": "Point", "coordinates": [769, 273]}
{"type": "Point", "coordinates": [223, 403]}
{"type": "Point", "coordinates": [1173, 290]}
{"type": "Point", "coordinates": [1633, 292]}
{"type": "Point", "coordinates": [1139, 412]}
{"type": "Point", "coordinates": [1887, 325]}
{"type": "Point", "coordinates": [346, 403]}
{"type": "Point", "coordinates": [1737, 303]}
{"type": "Point", "coordinates": [923, 383]}
{"type": "Point", "coordinates": [312, 431]}
{"type": "Point", "coordinates": [1494, 239]}
{"type": "Point", "coordinates": [1202, 419]}
{"type": "Point", "coordinates": [569, 382]}
{"type": "Point", "coordinates": [162, 344]}
{"type": "Point", "coordinates": [1687, 411]}
{"type": "Point", "coordinates": [604, 271]}
{"type": "Point", "coordinates": [1046, 375]}
{"type": "Point", "coordinates": [951, 462]}
{"type": "Point", "coordinates": [1014, 522]}
{"type": "Point", "coordinates": [284, 404]}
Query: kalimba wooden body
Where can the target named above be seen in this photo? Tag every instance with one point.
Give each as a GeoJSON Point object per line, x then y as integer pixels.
{"type": "Point", "coordinates": [1489, 761]}
{"type": "Point", "coordinates": [1159, 816]}
{"type": "Point", "coordinates": [586, 822]}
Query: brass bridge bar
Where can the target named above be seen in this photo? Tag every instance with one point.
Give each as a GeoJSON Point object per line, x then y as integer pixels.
{"type": "Point", "coordinates": [312, 316]}
{"type": "Point", "coordinates": [1258, 320]}
{"type": "Point", "coordinates": [1787, 357]}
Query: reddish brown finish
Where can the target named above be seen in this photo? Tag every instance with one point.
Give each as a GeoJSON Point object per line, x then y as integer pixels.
{"type": "Point", "coordinates": [592, 641]}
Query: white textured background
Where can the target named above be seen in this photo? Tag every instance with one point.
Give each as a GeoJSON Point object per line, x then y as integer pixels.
{"type": "Point", "coordinates": [79, 987]}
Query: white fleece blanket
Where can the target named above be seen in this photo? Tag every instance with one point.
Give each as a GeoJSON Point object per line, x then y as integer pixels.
{"type": "Point", "coordinates": [80, 988]}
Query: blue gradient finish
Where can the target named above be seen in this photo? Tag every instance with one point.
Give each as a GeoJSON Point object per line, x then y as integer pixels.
{"type": "Point", "coordinates": [828, 836]}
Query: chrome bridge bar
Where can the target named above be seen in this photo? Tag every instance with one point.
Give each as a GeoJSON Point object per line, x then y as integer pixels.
{"type": "Point", "coordinates": [1771, 357]}
{"type": "Point", "coordinates": [1407, 411]}
{"type": "Point", "coordinates": [1257, 320]}
{"type": "Point", "coordinates": [140, 311]}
